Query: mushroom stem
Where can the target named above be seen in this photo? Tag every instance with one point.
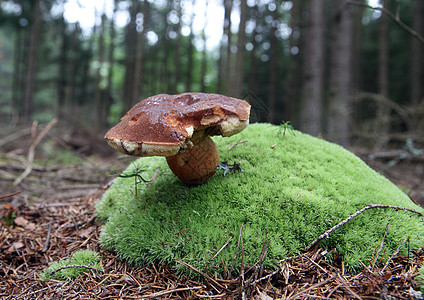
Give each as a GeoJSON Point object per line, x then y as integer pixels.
{"type": "Point", "coordinates": [196, 164]}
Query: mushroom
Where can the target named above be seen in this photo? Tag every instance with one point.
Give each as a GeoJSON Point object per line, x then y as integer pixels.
{"type": "Point", "coordinates": [179, 127]}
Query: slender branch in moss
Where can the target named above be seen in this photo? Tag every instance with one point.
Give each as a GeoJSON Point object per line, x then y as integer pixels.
{"type": "Point", "coordinates": [167, 292]}
{"type": "Point", "coordinates": [393, 255]}
{"type": "Point", "coordinates": [222, 248]}
{"type": "Point", "coordinates": [236, 144]}
{"type": "Point", "coordinates": [381, 247]}
{"type": "Point", "coordinates": [326, 234]}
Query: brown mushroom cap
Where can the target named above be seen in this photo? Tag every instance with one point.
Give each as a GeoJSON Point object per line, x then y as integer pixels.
{"type": "Point", "coordinates": [164, 124]}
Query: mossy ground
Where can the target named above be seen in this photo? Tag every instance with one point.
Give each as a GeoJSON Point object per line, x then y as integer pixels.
{"type": "Point", "coordinates": [86, 258]}
{"type": "Point", "coordinates": [292, 189]}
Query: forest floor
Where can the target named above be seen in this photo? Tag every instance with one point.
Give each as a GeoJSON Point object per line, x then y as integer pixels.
{"type": "Point", "coordinates": [52, 215]}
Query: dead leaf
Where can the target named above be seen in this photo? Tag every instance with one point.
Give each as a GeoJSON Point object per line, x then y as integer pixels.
{"type": "Point", "coordinates": [22, 222]}
{"type": "Point", "coordinates": [15, 246]}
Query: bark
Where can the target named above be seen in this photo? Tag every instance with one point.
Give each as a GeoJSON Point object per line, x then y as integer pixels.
{"type": "Point", "coordinates": [236, 86]}
{"type": "Point", "coordinates": [63, 59]}
{"type": "Point", "coordinates": [273, 66]}
{"type": "Point", "coordinates": [99, 116]}
{"type": "Point", "coordinates": [204, 54]}
{"type": "Point", "coordinates": [72, 66]}
{"type": "Point", "coordinates": [190, 51]}
{"type": "Point", "coordinates": [228, 5]}
{"type": "Point", "coordinates": [139, 56]}
{"type": "Point", "coordinates": [383, 80]}
{"type": "Point", "coordinates": [340, 73]}
{"type": "Point", "coordinates": [18, 66]}
{"type": "Point", "coordinates": [177, 56]}
{"type": "Point", "coordinates": [417, 62]}
{"type": "Point", "coordinates": [314, 65]}
{"type": "Point", "coordinates": [111, 61]}
{"type": "Point", "coordinates": [130, 53]}
{"type": "Point", "coordinates": [223, 50]}
{"type": "Point", "coordinates": [294, 73]}
{"type": "Point", "coordinates": [32, 62]}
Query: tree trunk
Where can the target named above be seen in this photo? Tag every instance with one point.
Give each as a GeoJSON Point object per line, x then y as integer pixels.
{"type": "Point", "coordinates": [228, 5]}
{"type": "Point", "coordinates": [177, 55]}
{"type": "Point", "coordinates": [383, 117]}
{"type": "Point", "coordinates": [63, 59]}
{"type": "Point", "coordinates": [130, 53]}
{"type": "Point", "coordinates": [340, 73]}
{"type": "Point", "coordinates": [99, 115]}
{"type": "Point", "coordinates": [314, 65]}
{"type": "Point", "coordinates": [111, 60]}
{"type": "Point", "coordinates": [18, 66]}
{"type": "Point", "coordinates": [294, 73]}
{"type": "Point", "coordinates": [273, 66]}
{"type": "Point", "coordinates": [417, 62]}
{"type": "Point", "coordinates": [236, 86]}
{"type": "Point", "coordinates": [190, 51]}
{"type": "Point", "coordinates": [139, 56]}
{"type": "Point", "coordinates": [204, 54]}
{"type": "Point", "coordinates": [32, 62]}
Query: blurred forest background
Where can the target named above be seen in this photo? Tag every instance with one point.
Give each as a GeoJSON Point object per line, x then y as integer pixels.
{"type": "Point", "coordinates": [334, 68]}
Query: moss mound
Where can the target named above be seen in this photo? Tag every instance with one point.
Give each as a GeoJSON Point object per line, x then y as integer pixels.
{"type": "Point", "coordinates": [292, 189]}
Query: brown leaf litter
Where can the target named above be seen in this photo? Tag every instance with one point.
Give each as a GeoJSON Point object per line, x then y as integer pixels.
{"type": "Point", "coordinates": [44, 233]}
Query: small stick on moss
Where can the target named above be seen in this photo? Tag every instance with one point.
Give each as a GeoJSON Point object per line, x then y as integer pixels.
{"type": "Point", "coordinates": [163, 293]}
{"type": "Point", "coordinates": [222, 248]}
{"type": "Point", "coordinates": [394, 254]}
{"type": "Point", "coordinates": [326, 234]}
{"type": "Point", "coordinates": [232, 146]}
{"type": "Point", "coordinates": [153, 177]}
{"type": "Point", "coordinates": [381, 247]}
{"type": "Point", "coordinates": [235, 255]}
{"type": "Point", "coordinates": [73, 266]}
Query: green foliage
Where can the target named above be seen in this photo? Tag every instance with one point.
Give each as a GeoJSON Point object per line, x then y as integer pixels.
{"type": "Point", "coordinates": [87, 258]}
{"type": "Point", "coordinates": [285, 127]}
{"type": "Point", "coordinates": [290, 191]}
{"type": "Point", "coordinates": [9, 219]}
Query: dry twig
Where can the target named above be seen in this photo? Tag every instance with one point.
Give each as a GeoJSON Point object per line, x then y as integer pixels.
{"type": "Point", "coordinates": [326, 234]}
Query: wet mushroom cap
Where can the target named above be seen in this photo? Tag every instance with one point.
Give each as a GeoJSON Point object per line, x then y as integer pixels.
{"type": "Point", "coordinates": [163, 125]}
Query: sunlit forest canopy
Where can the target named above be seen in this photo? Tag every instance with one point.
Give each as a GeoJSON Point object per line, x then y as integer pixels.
{"type": "Point", "coordinates": [337, 68]}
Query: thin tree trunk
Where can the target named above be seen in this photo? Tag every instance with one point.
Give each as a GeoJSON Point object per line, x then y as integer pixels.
{"type": "Point", "coordinates": [32, 62]}
{"type": "Point", "coordinates": [417, 61]}
{"type": "Point", "coordinates": [291, 92]}
{"type": "Point", "coordinates": [70, 93]}
{"type": "Point", "coordinates": [139, 60]}
{"type": "Point", "coordinates": [18, 64]}
{"type": "Point", "coordinates": [273, 66]}
{"type": "Point", "coordinates": [110, 59]}
{"type": "Point", "coordinates": [177, 56]}
{"type": "Point", "coordinates": [61, 83]}
{"type": "Point", "coordinates": [228, 5]}
{"type": "Point", "coordinates": [204, 54]}
{"type": "Point", "coordinates": [383, 80]}
{"type": "Point", "coordinates": [130, 53]}
{"type": "Point", "coordinates": [236, 86]}
{"type": "Point", "coordinates": [100, 116]}
{"type": "Point", "coordinates": [314, 65]}
{"type": "Point", "coordinates": [190, 51]}
{"type": "Point", "coordinates": [340, 73]}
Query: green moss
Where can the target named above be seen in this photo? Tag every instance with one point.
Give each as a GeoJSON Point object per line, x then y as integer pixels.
{"type": "Point", "coordinates": [86, 258]}
{"type": "Point", "coordinates": [291, 190]}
